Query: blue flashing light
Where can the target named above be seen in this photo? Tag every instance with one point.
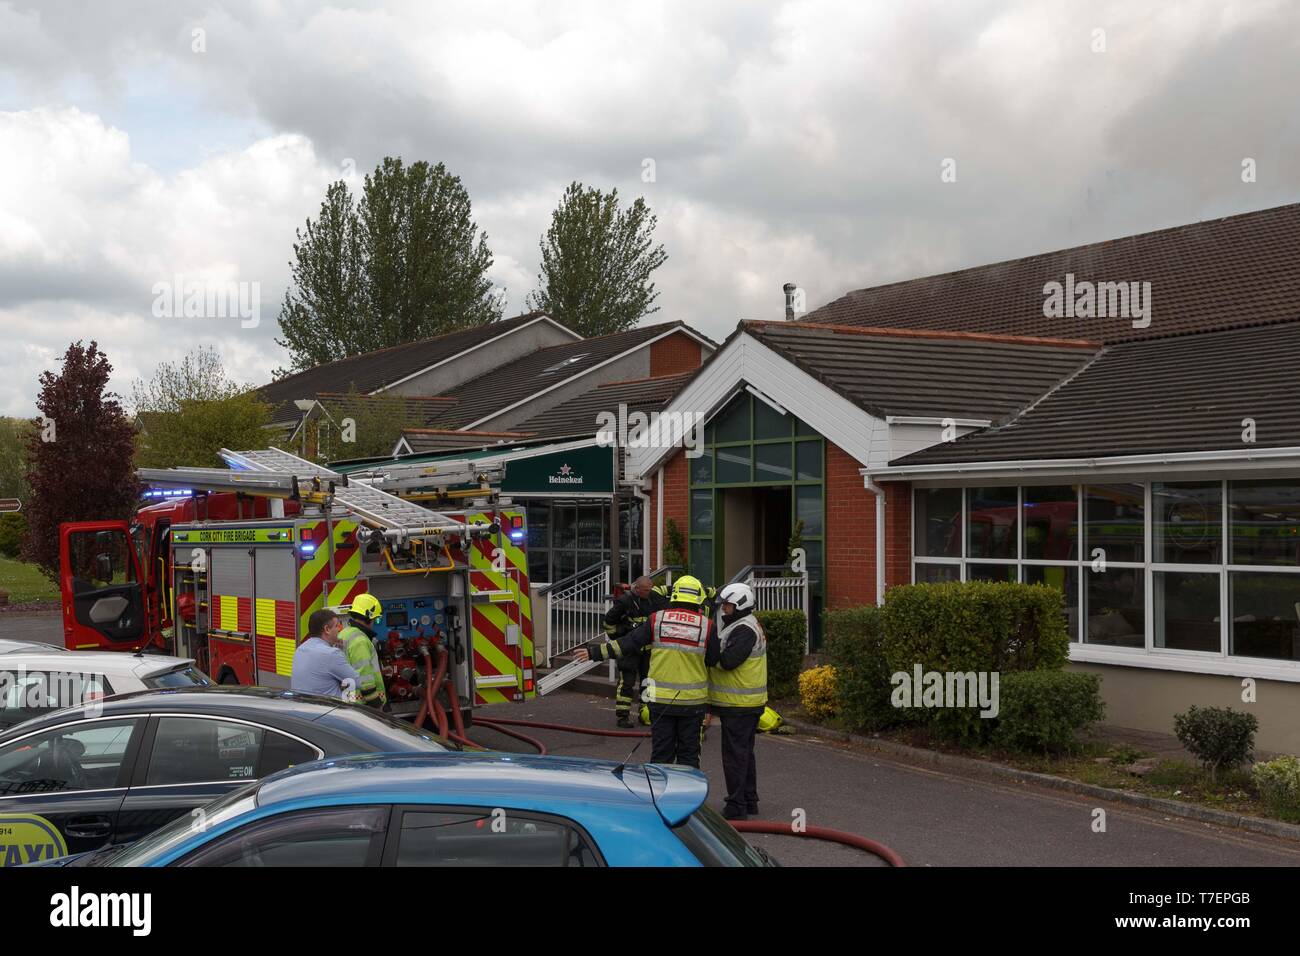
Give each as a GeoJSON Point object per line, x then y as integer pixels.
{"type": "Point", "coordinates": [307, 548]}
{"type": "Point", "coordinates": [517, 535]}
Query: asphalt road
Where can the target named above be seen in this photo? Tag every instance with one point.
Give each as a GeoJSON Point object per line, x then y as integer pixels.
{"type": "Point", "coordinates": [46, 626]}
{"type": "Point", "coordinates": [931, 818]}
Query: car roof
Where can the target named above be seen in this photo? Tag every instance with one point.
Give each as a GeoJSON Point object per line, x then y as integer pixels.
{"type": "Point", "coordinates": [107, 663]}
{"type": "Point", "coordinates": [250, 703]}
{"type": "Point", "coordinates": [520, 780]}
{"type": "Point", "coordinates": [10, 646]}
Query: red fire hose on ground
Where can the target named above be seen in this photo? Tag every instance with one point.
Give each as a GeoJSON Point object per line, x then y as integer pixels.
{"type": "Point", "coordinates": [821, 833]}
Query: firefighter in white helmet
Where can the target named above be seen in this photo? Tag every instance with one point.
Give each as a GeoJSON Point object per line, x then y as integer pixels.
{"type": "Point", "coordinates": [736, 657]}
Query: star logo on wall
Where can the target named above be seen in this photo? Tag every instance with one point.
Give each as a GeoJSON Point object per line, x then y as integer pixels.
{"type": "Point", "coordinates": [565, 469]}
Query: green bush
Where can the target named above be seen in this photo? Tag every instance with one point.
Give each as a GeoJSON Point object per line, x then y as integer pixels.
{"type": "Point", "coordinates": [13, 527]}
{"type": "Point", "coordinates": [786, 632]}
{"type": "Point", "coordinates": [854, 645]}
{"type": "Point", "coordinates": [972, 626]}
{"type": "Point", "coordinates": [1217, 736]}
{"type": "Point", "coordinates": [1045, 710]}
{"type": "Point", "coordinates": [1278, 782]}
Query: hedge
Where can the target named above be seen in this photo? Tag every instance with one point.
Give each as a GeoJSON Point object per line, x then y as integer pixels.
{"type": "Point", "coordinates": [13, 527]}
{"type": "Point", "coordinates": [1278, 782]}
{"type": "Point", "coordinates": [1217, 736]}
{"type": "Point", "coordinates": [786, 633]}
{"type": "Point", "coordinates": [1046, 710]}
{"type": "Point", "coordinates": [854, 646]}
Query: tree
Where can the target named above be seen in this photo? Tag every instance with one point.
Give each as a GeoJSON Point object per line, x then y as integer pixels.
{"type": "Point", "coordinates": [597, 262]}
{"type": "Point", "coordinates": [79, 454]}
{"type": "Point", "coordinates": [13, 457]}
{"type": "Point", "coordinates": [406, 262]}
{"type": "Point", "coordinates": [191, 409]}
{"type": "Point", "coordinates": [366, 426]}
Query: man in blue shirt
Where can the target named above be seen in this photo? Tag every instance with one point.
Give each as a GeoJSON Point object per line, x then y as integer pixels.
{"type": "Point", "coordinates": [319, 664]}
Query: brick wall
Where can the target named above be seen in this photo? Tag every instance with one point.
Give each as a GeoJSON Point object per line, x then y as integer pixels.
{"type": "Point", "coordinates": [675, 504]}
{"type": "Point", "coordinates": [898, 532]}
{"type": "Point", "coordinates": [850, 562]}
{"type": "Point", "coordinates": [674, 354]}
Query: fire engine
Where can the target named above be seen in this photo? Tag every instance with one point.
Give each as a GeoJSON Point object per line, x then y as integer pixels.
{"type": "Point", "coordinates": [228, 564]}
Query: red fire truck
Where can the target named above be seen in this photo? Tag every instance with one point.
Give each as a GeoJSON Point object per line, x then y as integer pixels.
{"type": "Point", "coordinates": [228, 564]}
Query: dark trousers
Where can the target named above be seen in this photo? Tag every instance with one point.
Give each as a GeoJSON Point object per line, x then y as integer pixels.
{"type": "Point", "coordinates": [675, 737]}
{"type": "Point", "coordinates": [632, 670]}
{"type": "Point", "coordinates": [738, 768]}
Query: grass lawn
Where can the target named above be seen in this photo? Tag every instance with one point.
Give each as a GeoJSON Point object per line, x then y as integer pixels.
{"type": "Point", "coordinates": [25, 583]}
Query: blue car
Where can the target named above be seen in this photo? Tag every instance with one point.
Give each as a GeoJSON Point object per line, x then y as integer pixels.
{"type": "Point", "coordinates": [451, 809]}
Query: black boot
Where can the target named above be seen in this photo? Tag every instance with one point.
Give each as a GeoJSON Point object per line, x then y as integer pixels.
{"type": "Point", "coordinates": [623, 721]}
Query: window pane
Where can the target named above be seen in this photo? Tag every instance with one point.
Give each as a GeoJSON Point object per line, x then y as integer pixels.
{"type": "Point", "coordinates": [991, 572]}
{"type": "Point", "coordinates": [1065, 580]}
{"type": "Point", "coordinates": [1051, 522]}
{"type": "Point", "coordinates": [593, 533]}
{"type": "Point", "coordinates": [1265, 615]}
{"type": "Point", "coordinates": [808, 460]}
{"type": "Point", "coordinates": [463, 840]}
{"type": "Point", "coordinates": [1186, 610]}
{"type": "Point", "coordinates": [768, 423]}
{"type": "Point", "coordinates": [1115, 520]}
{"type": "Point", "coordinates": [1116, 606]}
{"type": "Point", "coordinates": [814, 551]}
{"type": "Point", "coordinates": [563, 564]}
{"type": "Point", "coordinates": [733, 464]}
{"type": "Point", "coordinates": [315, 838]}
{"type": "Point", "coordinates": [566, 527]}
{"type": "Point", "coordinates": [1264, 520]}
{"type": "Point", "coordinates": [808, 508]}
{"type": "Point", "coordinates": [733, 422]}
{"type": "Point", "coordinates": [193, 750]}
{"type": "Point", "coordinates": [702, 512]}
{"type": "Point", "coordinates": [991, 523]}
{"type": "Point", "coordinates": [1187, 526]}
{"type": "Point", "coordinates": [701, 468]}
{"type": "Point", "coordinates": [772, 462]}
{"type": "Point", "coordinates": [801, 427]}
{"type": "Point", "coordinates": [937, 522]}
{"type": "Point", "coordinates": [539, 526]}
{"type": "Point", "coordinates": [280, 752]}
{"type": "Point", "coordinates": [72, 758]}
{"type": "Point", "coordinates": [935, 573]}
{"type": "Point", "coordinates": [701, 561]}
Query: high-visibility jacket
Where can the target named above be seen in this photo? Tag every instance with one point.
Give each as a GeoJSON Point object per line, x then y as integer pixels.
{"type": "Point", "coordinates": [361, 653]}
{"type": "Point", "coordinates": [744, 686]}
{"type": "Point", "coordinates": [676, 637]}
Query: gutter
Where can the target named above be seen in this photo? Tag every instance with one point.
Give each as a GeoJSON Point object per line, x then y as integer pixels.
{"type": "Point", "coordinates": [879, 492]}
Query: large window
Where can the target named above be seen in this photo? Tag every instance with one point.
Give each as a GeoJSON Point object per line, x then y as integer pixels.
{"type": "Point", "coordinates": [1208, 567]}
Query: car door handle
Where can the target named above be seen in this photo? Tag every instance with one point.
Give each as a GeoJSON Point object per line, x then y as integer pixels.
{"type": "Point", "coordinates": [89, 827]}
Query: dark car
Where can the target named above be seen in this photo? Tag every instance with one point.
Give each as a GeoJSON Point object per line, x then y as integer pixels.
{"type": "Point", "coordinates": [116, 769]}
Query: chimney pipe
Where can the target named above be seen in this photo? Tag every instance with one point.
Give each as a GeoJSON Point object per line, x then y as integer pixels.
{"type": "Point", "coordinates": [789, 290]}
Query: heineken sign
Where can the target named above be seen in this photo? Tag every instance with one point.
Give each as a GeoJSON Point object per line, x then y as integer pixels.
{"type": "Point", "coordinates": [577, 471]}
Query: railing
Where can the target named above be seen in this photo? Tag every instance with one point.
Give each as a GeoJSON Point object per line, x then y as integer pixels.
{"type": "Point", "coordinates": [777, 588]}
{"type": "Point", "coordinates": [575, 615]}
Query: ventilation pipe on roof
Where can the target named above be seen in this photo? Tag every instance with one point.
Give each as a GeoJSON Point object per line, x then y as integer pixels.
{"type": "Point", "coordinates": [879, 492]}
{"type": "Point", "coordinates": [789, 289]}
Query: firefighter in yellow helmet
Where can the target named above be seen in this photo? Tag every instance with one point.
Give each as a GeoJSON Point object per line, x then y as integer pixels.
{"type": "Point", "coordinates": [358, 640]}
{"type": "Point", "coordinates": [678, 685]}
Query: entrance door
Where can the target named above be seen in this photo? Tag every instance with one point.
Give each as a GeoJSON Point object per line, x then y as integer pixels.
{"type": "Point", "coordinates": [756, 528]}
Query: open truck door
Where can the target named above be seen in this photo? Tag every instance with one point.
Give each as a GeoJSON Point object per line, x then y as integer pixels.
{"type": "Point", "coordinates": [100, 586]}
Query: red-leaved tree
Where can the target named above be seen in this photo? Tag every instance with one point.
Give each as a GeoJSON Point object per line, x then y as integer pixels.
{"type": "Point", "coordinates": [79, 455]}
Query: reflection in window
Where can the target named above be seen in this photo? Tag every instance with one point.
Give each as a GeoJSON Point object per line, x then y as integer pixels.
{"type": "Point", "coordinates": [937, 522]}
{"type": "Point", "coordinates": [808, 508]}
{"type": "Point", "coordinates": [808, 460]}
{"type": "Point", "coordinates": [991, 572]}
{"type": "Point", "coordinates": [701, 511]}
{"type": "Point", "coordinates": [1265, 612]}
{"type": "Point", "coordinates": [937, 573]}
{"type": "Point", "coordinates": [1186, 610]}
{"type": "Point", "coordinates": [772, 462]}
{"type": "Point", "coordinates": [1066, 580]}
{"type": "Point", "coordinates": [1264, 521]}
{"type": "Point", "coordinates": [1187, 523]}
{"type": "Point", "coordinates": [991, 523]}
{"type": "Point", "coordinates": [1116, 521]}
{"type": "Point", "coordinates": [1051, 522]}
{"type": "Point", "coordinates": [1116, 606]}
{"type": "Point", "coordinates": [733, 464]}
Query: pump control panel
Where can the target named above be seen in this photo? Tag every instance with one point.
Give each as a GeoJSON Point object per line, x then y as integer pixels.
{"type": "Point", "coordinates": [413, 617]}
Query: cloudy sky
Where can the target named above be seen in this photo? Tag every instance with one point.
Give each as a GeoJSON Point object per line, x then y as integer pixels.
{"type": "Point", "coordinates": [798, 142]}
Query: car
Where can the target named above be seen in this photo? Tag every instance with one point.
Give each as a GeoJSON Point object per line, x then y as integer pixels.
{"type": "Point", "coordinates": [8, 646]}
{"type": "Point", "coordinates": [33, 683]}
{"type": "Point", "coordinates": [452, 809]}
{"type": "Point", "coordinates": [116, 769]}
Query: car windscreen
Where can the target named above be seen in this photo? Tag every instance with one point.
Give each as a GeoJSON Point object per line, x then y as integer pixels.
{"type": "Point", "coordinates": [173, 834]}
{"type": "Point", "coordinates": [382, 733]}
{"type": "Point", "coordinates": [715, 842]}
{"type": "Point", "coordinates": [185, 675]}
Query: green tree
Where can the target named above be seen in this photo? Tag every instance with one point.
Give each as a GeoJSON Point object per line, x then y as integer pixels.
{"type": "Point", "coordinates": [365, 426]}
{"type": "Point", "coordinates": [403, 263]}
{"type": "Point", "coordinates": [79, 455]}
{"type": "Point", "coordinates": [597, 261]}
{"type": "Point", "coordinates": [13, 457]}
{"type": "Point", "coordinates": [190, 410]}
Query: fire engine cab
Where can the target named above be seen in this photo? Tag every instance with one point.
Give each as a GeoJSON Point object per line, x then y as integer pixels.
{"type": "Point", "coordinates": [228, 565]}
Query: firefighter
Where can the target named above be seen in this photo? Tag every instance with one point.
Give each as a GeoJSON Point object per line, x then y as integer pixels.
{"type": "Point", "coordinates": [678, 685]}
{"type": "Point", "coordinates": [630, 611]}
{"type": "Point", "coordinates": [737, 660]}
{"type": "Point", "coordinates": [359, 644]}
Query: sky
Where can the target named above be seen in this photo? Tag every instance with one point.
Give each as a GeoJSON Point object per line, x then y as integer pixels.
{"type": "Point", "coordinates": [835, 145]}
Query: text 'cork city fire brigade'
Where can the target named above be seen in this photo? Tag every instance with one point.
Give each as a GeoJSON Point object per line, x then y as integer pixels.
{"type": "Point", "coordinates": [230, 564]}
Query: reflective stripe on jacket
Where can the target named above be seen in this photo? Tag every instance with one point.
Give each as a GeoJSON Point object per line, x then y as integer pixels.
{"type": "Point", "coordinates": [365, 661]}
{"type": "Point", "coordinates": [677, 672]}
{"type": "Point", "coordinates": [746, 685]}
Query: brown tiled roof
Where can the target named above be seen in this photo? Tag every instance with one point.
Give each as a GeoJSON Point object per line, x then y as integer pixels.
{"type": "Point", "coordinates": [422, 440]}
{"type": "Point", "coordinates": [374, 370]}
{"type": "Point", "coordinates": [888, 372]}
{"type": "Point", "coordinates": [429, 410]}
{"type": "Point", "coordinates": [1234, 272]}
{"type": "Point", "coordinates": [577, 417]}
{"type": "Point", "coordinates": [1186, 394]}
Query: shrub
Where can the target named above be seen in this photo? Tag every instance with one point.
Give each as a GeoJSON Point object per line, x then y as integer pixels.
{"type": "Point", "coordinates": [1045, 710]}
{"type": "Point", "coordinates": [1217, 736]}
{"type": "Point", "coordinates": [786, 633]}
{"type": "Point", "coordinates": [12, 528]}
{"type": "Point", "coordinates": [972, 626]}
{"type": "Point", "coordinates": [854, 645]}
{"type": "Point", "coordinates": [1278, 782]}
{"type": "Point", "coordinates": [817, 692]}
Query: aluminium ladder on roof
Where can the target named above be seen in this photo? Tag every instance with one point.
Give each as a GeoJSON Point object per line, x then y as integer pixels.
{"type": "Point", "coordinates": [377, 507]}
